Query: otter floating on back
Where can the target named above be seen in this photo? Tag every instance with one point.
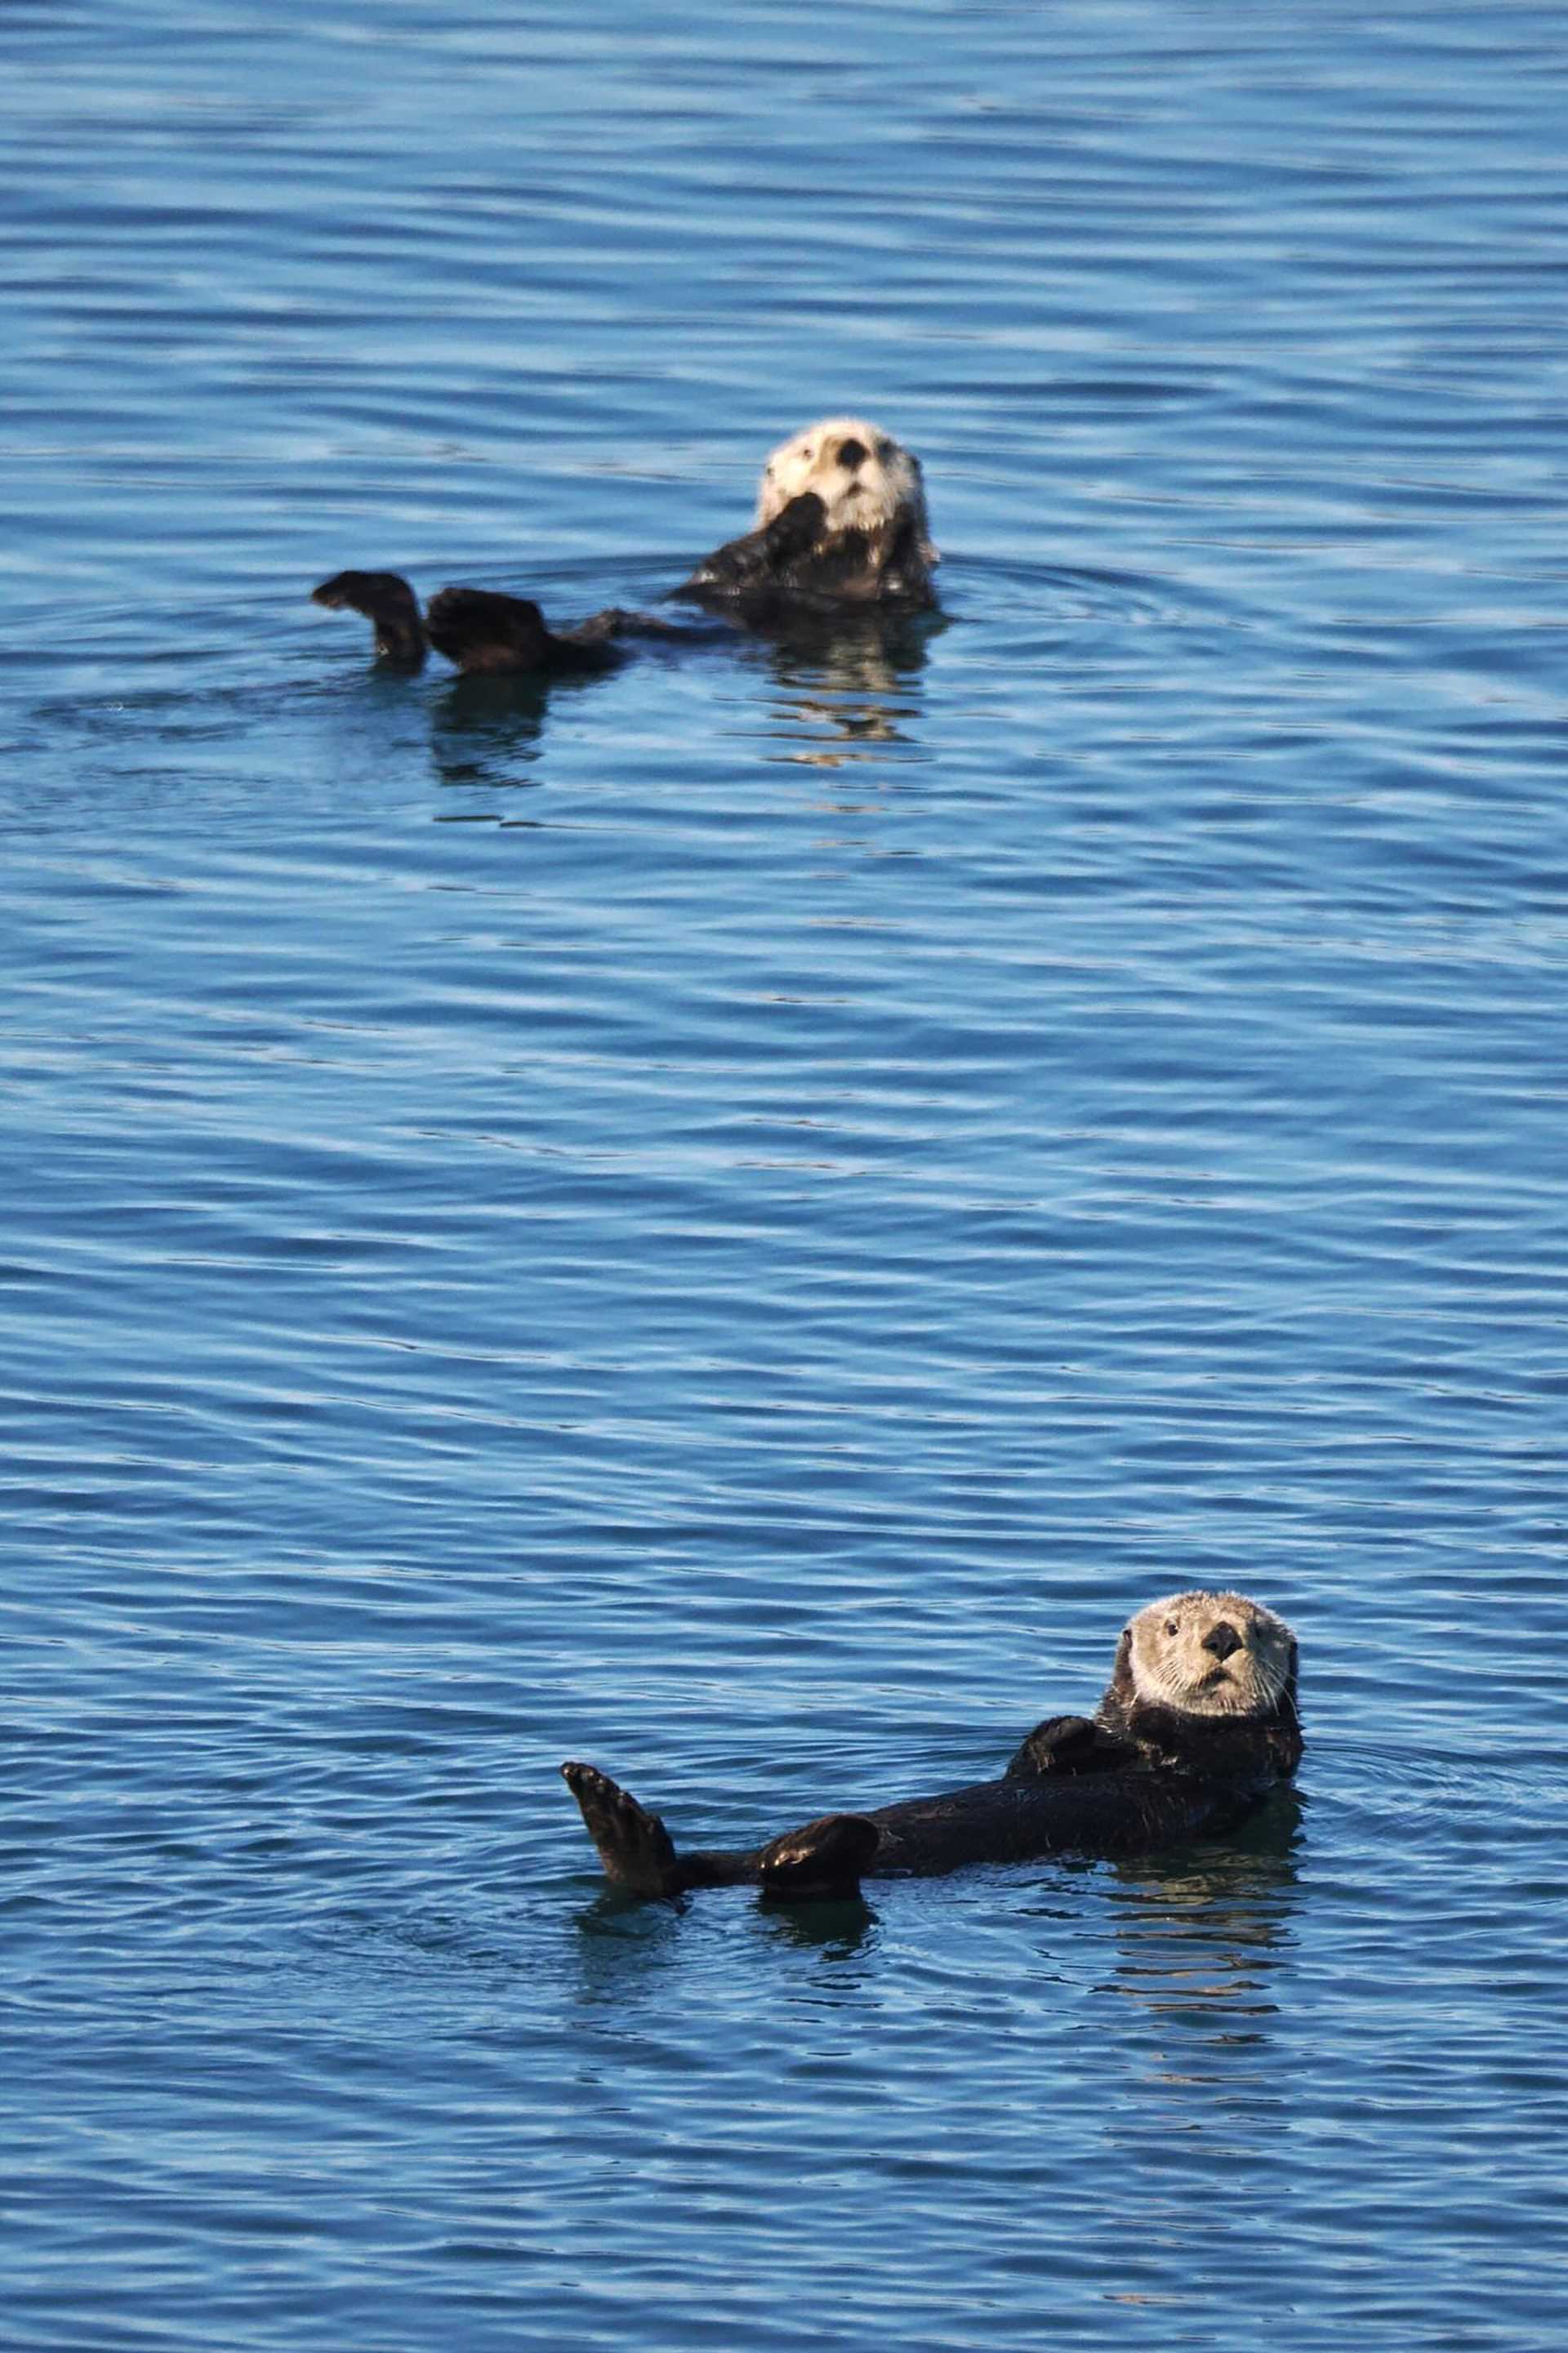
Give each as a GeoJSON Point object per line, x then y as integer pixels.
{"type": "Point", "coordinates": [840, 525]}
{"type": "Point", "coordinates": [1197, 1723]}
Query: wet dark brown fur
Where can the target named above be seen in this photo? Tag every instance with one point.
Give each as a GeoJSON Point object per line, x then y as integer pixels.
{"type": "Point", "coordinates": [1196, 1725]}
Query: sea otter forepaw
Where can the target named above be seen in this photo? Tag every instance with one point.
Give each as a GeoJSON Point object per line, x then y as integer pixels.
{"type": "Point", "coordinates": [635, 1850]}
{"type": "Point", "coordinates": [1062, 1744]}
{"type": "Point", "coordinates": [822, 1858]}
{"type": "Point", "coordinates": [757, 558]}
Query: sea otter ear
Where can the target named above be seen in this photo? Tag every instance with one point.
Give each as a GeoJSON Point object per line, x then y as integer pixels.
{"type": "Point", "coordinates": [1122, 1674]}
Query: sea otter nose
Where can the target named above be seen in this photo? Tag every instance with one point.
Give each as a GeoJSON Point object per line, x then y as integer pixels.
{"type": "Point", "coordinates": [852, 454]}
{"type": "Point", "coordinates": [1222, 1640]}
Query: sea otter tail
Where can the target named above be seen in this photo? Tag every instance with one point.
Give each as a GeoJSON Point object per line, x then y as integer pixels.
{"type": "Point", "coordinates": [388, 603]}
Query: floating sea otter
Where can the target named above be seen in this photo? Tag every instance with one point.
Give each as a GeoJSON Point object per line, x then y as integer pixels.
{"type": "Point", "coordinates": [1196, 1725]}
{"type": "Point", "coordinates": [840, 525]}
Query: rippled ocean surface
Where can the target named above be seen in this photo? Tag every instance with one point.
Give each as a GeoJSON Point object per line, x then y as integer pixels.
{"type": "Point", "coordinates": [737, 1219]}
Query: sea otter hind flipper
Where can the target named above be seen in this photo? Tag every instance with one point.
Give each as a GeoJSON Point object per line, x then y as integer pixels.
{"type": "Point", "coordinates": [481, 629]}
{"type": "Point", "coordinates": [822, 1859]}
{"type": "Point", "coordinates": [637, 1851]}
{"type": "Point", "coordinates": [390, 605]}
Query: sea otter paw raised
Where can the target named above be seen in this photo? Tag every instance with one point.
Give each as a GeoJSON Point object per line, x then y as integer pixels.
{"type": "Point", "coordinates": [637, 1851]}
{"type": "Point", "coordinates": [760, 556]}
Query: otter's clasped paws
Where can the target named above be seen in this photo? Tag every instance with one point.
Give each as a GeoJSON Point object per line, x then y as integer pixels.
{"type": "Point", "coordinates": [1069, 1743]}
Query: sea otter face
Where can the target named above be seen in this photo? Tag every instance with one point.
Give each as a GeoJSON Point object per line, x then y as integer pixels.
{"type": "Point", "coordinates": [1208, 1654]}
{"type": "Point", "coordinates": [865, 481]}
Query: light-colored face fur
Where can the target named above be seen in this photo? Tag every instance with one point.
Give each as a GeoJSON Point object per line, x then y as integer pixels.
{"type": "Point", "coordinates": [1209, 1654]}
{"type": "Point", "coordinates": [864, 478]}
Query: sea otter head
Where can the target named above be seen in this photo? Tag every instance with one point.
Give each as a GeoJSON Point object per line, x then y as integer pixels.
{"type": "Point", "coordinates": [1206, 1655]}
{"type": "Point", "coordinates": [867, 481]}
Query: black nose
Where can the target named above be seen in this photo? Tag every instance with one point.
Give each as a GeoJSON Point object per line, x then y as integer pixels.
{"type": "Point", "coordinates": [1222, 1640]}
{"type": "Point", "coordinates": [852, 454]}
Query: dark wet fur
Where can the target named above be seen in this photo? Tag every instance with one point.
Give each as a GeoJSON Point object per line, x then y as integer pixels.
{"type": "Point", "coordinates": [482, 631]}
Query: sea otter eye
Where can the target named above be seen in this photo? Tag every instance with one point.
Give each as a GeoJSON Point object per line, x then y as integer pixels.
{"type": "Point", "coordinates": [1173, 1625]}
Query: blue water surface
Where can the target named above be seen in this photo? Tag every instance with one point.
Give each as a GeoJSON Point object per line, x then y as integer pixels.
{"type": "Point", "coordinates": [736, 1219]}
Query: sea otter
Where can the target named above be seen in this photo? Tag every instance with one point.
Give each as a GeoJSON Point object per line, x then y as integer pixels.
{"type": "Point", "coordinates": [1197, 1723]}
{"type": "Point", "coordinates": [840, 525]}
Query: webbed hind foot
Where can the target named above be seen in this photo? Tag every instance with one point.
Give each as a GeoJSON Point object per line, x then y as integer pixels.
{"type": "Point", "coordinates": [637, 1851]}
{"type": "Point", "coordinates": [390, 605]}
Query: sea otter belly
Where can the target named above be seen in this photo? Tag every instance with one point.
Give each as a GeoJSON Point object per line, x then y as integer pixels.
{"type": "Point", "coordinates": [1113, 1813]}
